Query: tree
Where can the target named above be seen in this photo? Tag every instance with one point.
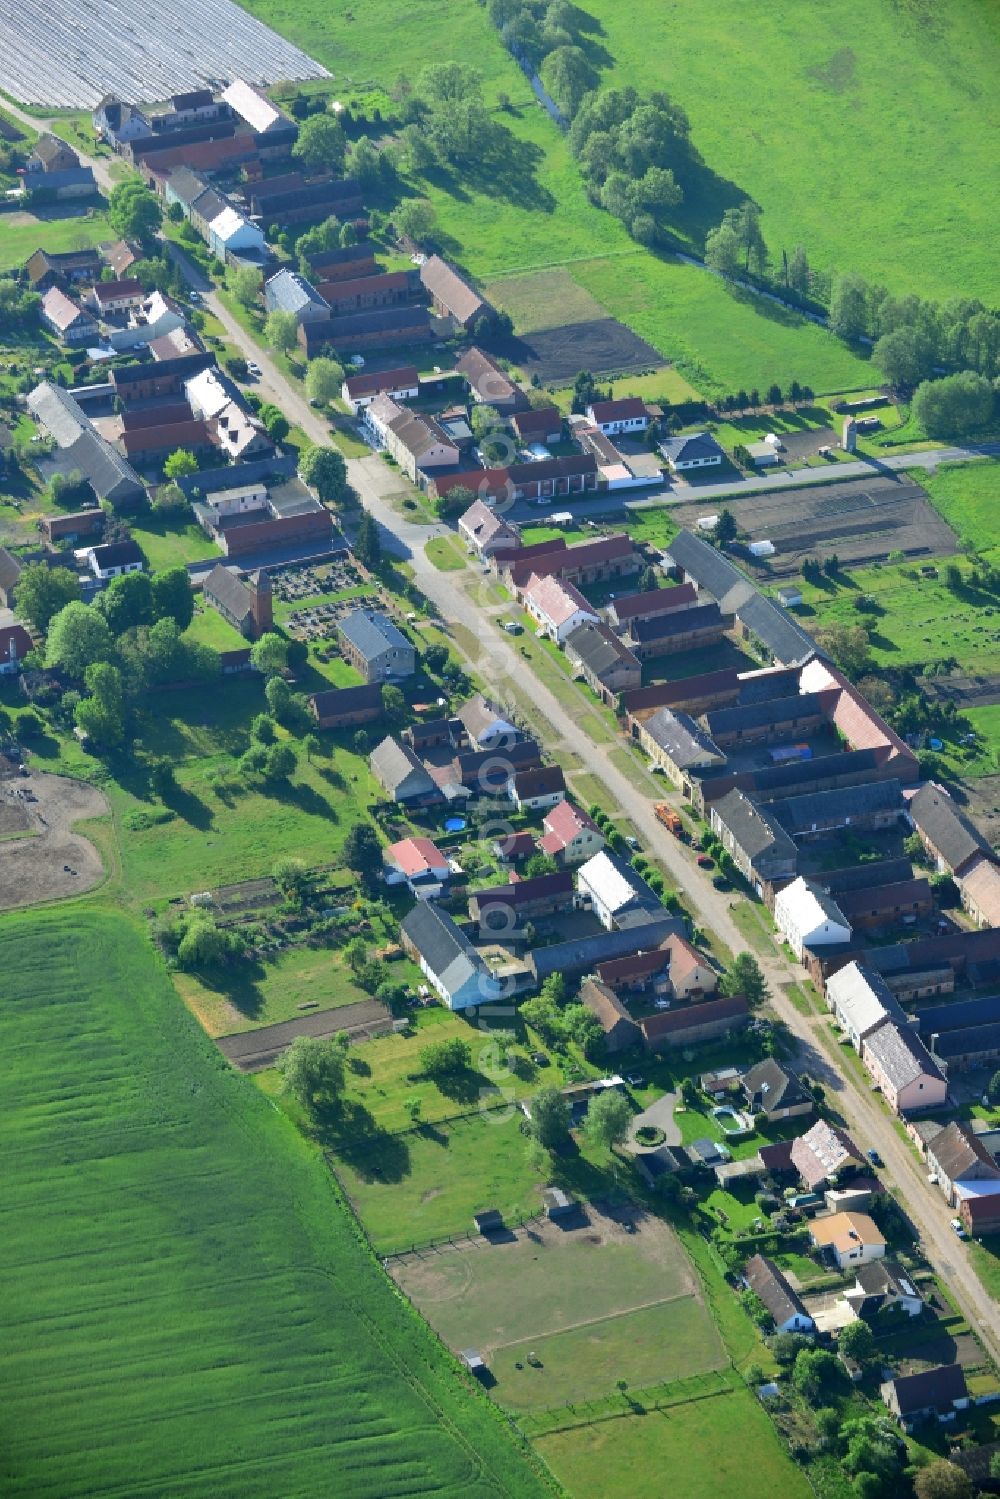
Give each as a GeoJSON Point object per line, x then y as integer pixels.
{"type": "Point", "coordinates": [904, 356]}
{"type": "Point", "coordinates": [550, 1118]}
{"type": "Point", "coordinates": [362, 851]}
{"type": "Point", "coordinates": [993, 1092]}
{"type": "Point", "coordinates": [744, 976]}
{"type": "Point", "coordinates": [814, 1370]}
{"type": "Point", "coordinates": [848, 316]}
{"type": "Point", "coordinates": [368, 546]}
{"type": "Point", "coordinates": [180, 464]}
{"type": "Point", "coordinates": [324, 236]}
{"type": "Point", "coordinates": [314, 1072]}
{"type": "Point", "coordinates": [279, 762]}
{"type": "Point", "coordinates": [348, 235]}
{"type": "Point", "coordinates": [722, 251]}
{"type": "Point", "coordinates": [324, 378]}
{"type": "Point", "coordinates": [457, 123]}
{"type": "Point", "coordinates": [262, 729]}
{"type": "Point", "coordinates": [608, 1118]}
{"type": "Point", "coordinates": [279, 698]}
{"type": "Point", "coordinates": [170, 500]}
{"type": "Point", "coordinates": [568, 76]}
{"type": "Point", "coordinates": [101, 716]}
{"type": "Point", "coordinates": [368, 165]}
{"type": "Point", "coordinates": [269, 654]}
{"type": "Point", "coordinates": [321, 145]}
{"type": "Point", "coordinates": [244, 283]}
{"type": "Point", "coordinates": [127, 602]}
{"type": "Point", "coordinates": [850, 648]}
{"type": "Point", "coordinates": [172, 596]}
{"type": "Point", "coordinates": [133, 211]}
{"type": "Point", "coordinates": [291, 876]}
{"type": "Point", "coordinates": [281, 330]}
{"type": "Point", "coordinates": [942, 1480]}
{"type": "Point", "coordinates": [856, 1341]}
{"type": "Point", "coordinates": [725, 527]}
{"type": "Point", "coordinates": [446, 1058]}
{"type": "Point", "coordinates": [161, 777]}
{"type": "Point", "coordinates": [955, 406]}
{"type": "Point", "coordinates": [414, 219]}
{"type": "Point", "coordinates": [42, 591]}
{"type": "Point", "coordinates": [275, 422]}
{"type": "Point", "coordinates": [798, 275]}
{"type": "Point", "coordinates": [436, 659]}
{"type": "Point", "coordinates": [326, 471]}
{"type": "Point", "coordinates": [545, 1017]}
{"type": "Point", "coordinates": [78, 637]}
{"type": "Point", "coordinates": [393, 705]}
{"type": "Point", "coordinates": [203, 945]}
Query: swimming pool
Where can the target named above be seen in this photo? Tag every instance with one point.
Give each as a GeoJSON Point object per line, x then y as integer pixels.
{"type": "Point", "coordinates": [454, 824]}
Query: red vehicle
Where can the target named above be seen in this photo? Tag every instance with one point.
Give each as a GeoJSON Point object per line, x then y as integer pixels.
{"type": "Point", "coordinates": [705, 861]}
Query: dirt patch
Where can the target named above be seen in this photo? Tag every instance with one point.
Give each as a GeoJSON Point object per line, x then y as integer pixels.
{"type": "Point", "coordinates": [251, 1051]}
{"type": "Point", "coordinates": [557, 355]}
{"type": "Point", "coordinates": [51, 862]}
{"type": "Point", "coordinates": [545, 299]}
{"type": "Point", "coordinates": [862, 521]}
{"type": "Point", "coordinates": [14, 817]}
{"type": "Point", "coordinates": [964, 692]}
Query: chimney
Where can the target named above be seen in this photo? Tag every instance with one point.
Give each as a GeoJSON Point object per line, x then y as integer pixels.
{"type": "Point", "coordinates": [261, 605]}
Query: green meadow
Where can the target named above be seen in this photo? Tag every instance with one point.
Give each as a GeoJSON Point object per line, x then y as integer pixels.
{"type": "Point", "coordinates": [968, 496]}
{"type": "Point", "coordinates": [189, 1306]}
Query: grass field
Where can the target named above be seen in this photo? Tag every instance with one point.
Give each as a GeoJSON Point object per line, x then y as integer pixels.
{"type": "Point", "coordinates": [447, 554]}
{"type": "Point", "coordinates": [781, 97]}
{"type": "Point", "coordinates": [968, 496]}
{"type": "Point", "coordinates": [189, 1307]}
{"type": "Point", "coordinates": [594, 1304]}
{"type": "Point", "coordinates": [22, 233]}
{"type": "Point", "coordinates": [720, 1445]}
{"type": "Point", "coordinates": [209, 628]}
{"type": "Point", "coordinates": [169, 543]}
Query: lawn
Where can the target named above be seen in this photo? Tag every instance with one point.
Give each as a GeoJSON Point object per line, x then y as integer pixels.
{"type": "Point", "coordinates": [968, 496]}
{"type": "Point", "coordinates": [917, 219]}
{"type": "Point", "coordinates": [985, 1256]}
{"type": "Point", "coordinates": [189, 1306]}
{"type": "Point", "coordinates": [441, 1174]}
{"type": "Point", "coordinates": [447, 554]}
{"type": "Point", "coordinates": [209, 628]}
{"type": "Point", "coordinates": [171, 543]}
{"type": "Point", "coordinates": [721, 1445]}
{"type": "Point", "coordinates": [24, 232]}
{"type": "Point", "coordinates": [920, 619]}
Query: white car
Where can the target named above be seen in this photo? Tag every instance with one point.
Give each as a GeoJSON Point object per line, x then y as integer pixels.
{"type": "Point", "coordinates": [959, 1228]}
{"type": "Point", "coordinates": [254, 369]}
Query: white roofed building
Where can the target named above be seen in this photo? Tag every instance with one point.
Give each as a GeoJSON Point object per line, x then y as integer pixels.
{"type": "Point", "coordinates": [807, 916]}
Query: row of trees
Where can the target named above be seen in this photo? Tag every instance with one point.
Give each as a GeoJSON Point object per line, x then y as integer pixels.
{"type": "Point", "coordinates": [633, 154]}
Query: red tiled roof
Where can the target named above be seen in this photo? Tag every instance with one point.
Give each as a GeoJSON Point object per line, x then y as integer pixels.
{"type": "Point", "coordinates": [157, 439]}
{"type": "Point", "coordinates": [655, 600]}
{"type": "Point", "coordinates": [641, 965]}
{"type": "Point", "coordinates": [416, 855]}
{"type": "Point", "coordinates": [556, 600]}
{"type": "Point", "coordinates": [537, 422]}
{"type": "Point", "coordinates": [618, 411]}
{"type": "Point", "coordinates": [520, 891]}
{"type": "Point", "coordinates": [405, 377]}
{"type": "Point", "coordinates": [683, 957]}
{"type": "Point", "coordinates": [693, 1016]}
{"type": "Point", "coordinates": [564, 821]}
{"type": "Point", "coordinates": [110, 291]}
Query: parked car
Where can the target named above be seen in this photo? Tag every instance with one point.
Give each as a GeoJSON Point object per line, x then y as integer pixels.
{"type": "Point", "coordinates": [254, 369]}
{"type": "Point", "coordinates": [959, 1228]}
{"type": "Point", "coordinates": [635, 1080]}
{"type": "Point", "coordinates": [705, 861]}
{"type": "Point", "coordinates": [721, 882]}
{"type": "Point", "coordinates": [632, 842]}
{"type": "Point", "coordinates": [540, 1059]}
{"type": "Point", "coordinates": [874, 1157]}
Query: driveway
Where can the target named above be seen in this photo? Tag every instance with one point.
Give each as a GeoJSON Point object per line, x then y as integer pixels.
{"type": "Point", "coordinates": [659, 1115]}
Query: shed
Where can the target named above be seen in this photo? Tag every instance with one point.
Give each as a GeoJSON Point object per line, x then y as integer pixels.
{"type": "Point", "coordinates": [557, 1203]}
{"type": "Point", "coordinates": [488, 1222]}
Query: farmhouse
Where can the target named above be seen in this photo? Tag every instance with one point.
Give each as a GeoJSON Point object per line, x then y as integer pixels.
{"type": "Point", "coordinates": [708, 1021]}
{"type": "Point", "coordinates": [244, 515]}
{"type": "Point", "coordinates": [768, 719]}
{"type": "Point", "coordinates": [875, 805]}
{"type": "Point", "coordinates": [417, 442]}
{"type": "Point", "coordinates": [959, 1158]}
{"type": "Point", "coordinates": [447, 958]}
{"type": "Point", "coordinates": [83, 450]}
{"type": "Point", "coordinates": [115, 559]}
{"type": "Point", "coordinates": [10, 570]}
{"type": "Point", "coordinates": [536, 788]}
{"type": "Point", "coordinates": [590, 562]}
{"type": "Point", "coordinates": [541, 424]}
{"type": "Point", "coordinates": [487, 772]}
{"type": "Point", "coordinates": [761, 848]}
{"type": "Point", "coordinates": [287, 291]}
{"type": "Point", "coordinates": [775, 1092]}
{"type": "Point", "coordinates": [357, 332]}
{"type": "Point", "coordinates": [638, 972]}
{"type": "Point", "coordinates": [71, 527]}
{"type": "Point", "coordinates": [604, 661]}
{"type": "Point", "coordinates": [949, 836]}
{"type": "Point", "coordinates": [691, 629]}
{"type": "Point", "coordinates": [586, 954]}
{"type": "Point", "coordinates": [882, 905]}
{"type": "Point", "coordinates": [400, 774]}
{"type": "Point", "coordinates": [619, 896]}
{"type": "Point", "coordinates": [50, 154]}
{"type": "Point", "coordinates": [376, 647]}
{"type": "Point", "coordinates": [766, 1281]}
{"type": "Point", "coordinates": [971, 1046]}
{"type": "Point", "coordinates": [255, 108]}
{"type": "Point", "coordinates": [248, 607]}
{"type": "Point", "coordinates": [697, 450]}
{"type": "Point", "coordinates": [648, 605]}
{"type": "Point", "coordinates": [488, 383]}
{"type": "Point", "coordinates": [347, 707]}
{"type": "Point", "coordinates": [66, 318]}
{"type": "Point", "coordinates": [559, 608]}
{"type": "Point", "coordinates": [345, 263]}
{"type": "Point", "coordinates": [400, 384]}
{"type": "Point", "coordinates": [979, 888]}
{"type": "Point", "coordinates": [849, 1238]}
{"type": "Point", "coordinates": [485, 724]}
{"type": "Point", "coordinates": [47, 268]}
{"type": "Point", "coordinates": [486, 532]}
{"type": "Point", "coordinates": [883, 1285]}
{"type": "Point", "coordinates": [619, 418]}
{"type": "Point", "coordinates": [15, 643]}
{"type": "Point", "coordinates": [109, 297]}
{"type": "Point", "coordinates": [934, 1395]}
{"type": "Point", "coordinates": [502, 910]}
{"type": "Point", "coordinates": [417, 863]}
{"type": "Point", "coordinates": [807, 916]}
{"type": "Point", "coordinates": [452, 295]}
{"type": "Point", "coordinates": [570, 835]}
{"type": "Point", "coordinates": [691, 976]}
{"type": "Point", "coordinates": [823, 1154]}
{"type": "Point", "coordinates": [678, 746]}
{"type": "Point", "coordinates": [862, 1002]}
{"type": "Point", "coordinates": [620, 1030]}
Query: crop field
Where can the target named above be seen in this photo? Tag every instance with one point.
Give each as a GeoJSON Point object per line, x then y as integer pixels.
{"type": "Point", "coordinates": [589, 1303]}
{"type": "Point", "coordinates": [612, 1459]}
{"type": "Point", "coordinates": [862, 520]}
{"type": "Point", "coordinates": [189, 1306]}
{"type": "Point", "coordinates": [805, 110]}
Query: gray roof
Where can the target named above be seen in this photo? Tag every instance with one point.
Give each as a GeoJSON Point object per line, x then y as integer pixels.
{"type": "Point", "coordinates": [772, 710]}
{"type": "Point", "coordinates": [392, 763]}
{"type": "Point", "coordinates": [711, 570]}
{"type": "Point", "coordinates": [225, 586]}
{"type": "Point", "coordinates": [211, 480]}
{"type": "Point", "coordinates": [59, 413]}
{"type": "Point", "coordinates": [753, 828]}
{"type": "Point", "coordinates": [770, 1086]}
{"type": "Point", "coordinates": [598, 648]}
{"type": "Point", "coordinates": [648, 628]}
{"type": "Point", "coordinates": [767, 1281]}
{"type": "Point", "coordinates": [480, 718]}
{"type": "Point", "coordinates": [957, 1016]}
{"type": "Point", "coordinates": [372, 633]}
{"type": "Point", "coordinates": [798, 814]}
{"type": "Point", "coordinates": [946, 826]}
{"type": "Point", "coordinates": [10, 569]}
{"type": "Point", "coordinates": [938, 1387]}
{"type": "Point", "coordinates": [694, 445]}
{"type": "Point", "coordinates": [957, 1150]}
{"type": "Point", "coordinates": [863, 998]}
{"type": "Point", "coordinates": [901, 1054]}
{"type": "Point", "coordinates": [442, 945]}
{"type": "Point", "coordinates": [584, 953]}
{"type": "Point", "coordinates": [291, 292]}
{"type": "Point", "coordinates": [786, 640]}
{"type": "Point", "coordinates": [109, 475]}
{"type": "Point", "coordinates": [880, 1277]}
{"type": "Point", "coordinates": [186, 184]}
{"type": "Point", "coordinates": [973, 1041]}
{"type": "Point", "coordinates": [42, 182]}
{"type": "Point", "coordinates": [680, 738]}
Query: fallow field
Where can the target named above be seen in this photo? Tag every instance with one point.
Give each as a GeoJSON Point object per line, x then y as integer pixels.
{"type": "Point", "coordinates": [190, 1309]}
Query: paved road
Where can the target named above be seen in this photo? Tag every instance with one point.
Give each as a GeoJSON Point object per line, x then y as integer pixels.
{"type": "Point", "coordinates": [497, 663]}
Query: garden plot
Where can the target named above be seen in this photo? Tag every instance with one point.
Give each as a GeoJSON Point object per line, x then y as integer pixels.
{"type": "Point", "coordinates": [560, 1313]}
{"type": "Point", "coordinates": [860, 520]}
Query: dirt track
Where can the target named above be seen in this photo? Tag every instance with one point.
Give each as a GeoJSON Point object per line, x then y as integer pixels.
{"type": "Point", "coordinates": [32, 868]}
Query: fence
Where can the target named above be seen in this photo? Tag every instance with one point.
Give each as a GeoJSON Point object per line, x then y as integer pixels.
{"type": "Point", "coordinates": [676, 1392]}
